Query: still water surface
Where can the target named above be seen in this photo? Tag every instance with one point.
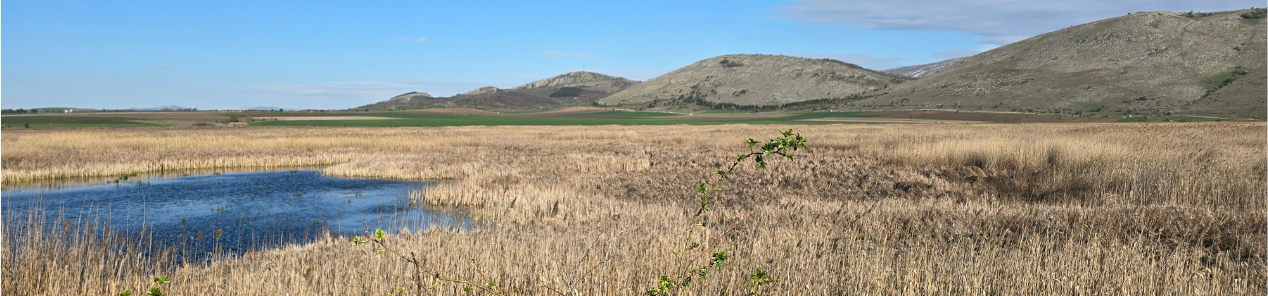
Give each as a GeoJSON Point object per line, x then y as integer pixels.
{"type": "Point", "coordinates": [247, 209]}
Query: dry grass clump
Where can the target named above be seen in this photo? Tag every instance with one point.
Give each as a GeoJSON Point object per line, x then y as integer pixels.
{"type": "Point", "coordinates": [75, 256]}
{"type": "Point", "coordinates": [1211, 165]}
{"type": "Point", "coordinates": [34, 155]}
{"type": "Point", "coordinates": [915, 210]}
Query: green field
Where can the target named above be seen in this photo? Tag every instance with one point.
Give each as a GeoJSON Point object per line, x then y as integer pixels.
{"type": "Point", "coordinates": [600, 118]}
{"type": "Point", "coordinates": [625, 115]}
{"type": "Point", "coordinates": [58, 121]}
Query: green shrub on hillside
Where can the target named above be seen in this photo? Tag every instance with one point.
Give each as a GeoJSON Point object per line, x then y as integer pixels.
{"type": "Point", "coordinates": [566, 92]}
{"type": "Point", "coordinates": [1257, 13]}
{"type": "Point", "coordinates": [1217, 82]}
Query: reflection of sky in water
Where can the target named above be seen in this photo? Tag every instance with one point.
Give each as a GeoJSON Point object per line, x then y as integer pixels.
{"type": "Point", "coordinates": [250, 209]}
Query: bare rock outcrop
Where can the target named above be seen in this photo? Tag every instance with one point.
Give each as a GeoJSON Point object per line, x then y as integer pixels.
{"type": "Point", "coordinates": [482, 90]}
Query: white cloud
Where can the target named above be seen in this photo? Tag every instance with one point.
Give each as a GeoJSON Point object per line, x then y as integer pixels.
{"type": "Point", "coordinates": [863, 60]}
{"type": "Point", "coordinates": [997, 21]}
{"type": "Point", "coordinates": [421, 39]}
{"type": "Point", "coordinates": [556, 53]}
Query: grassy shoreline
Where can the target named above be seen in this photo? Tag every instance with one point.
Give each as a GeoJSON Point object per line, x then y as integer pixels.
{"type": "Point", "coordinates": [910, 209]}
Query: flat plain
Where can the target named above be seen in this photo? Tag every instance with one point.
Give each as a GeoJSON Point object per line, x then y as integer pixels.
{"type": "Point", "coordinates": [568, 116]}
{"type": "Point", "coordinates": [1000, 209]}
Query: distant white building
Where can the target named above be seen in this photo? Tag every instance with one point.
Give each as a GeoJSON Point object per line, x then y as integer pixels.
{"type": "Point", "coordinates": [68, 111]}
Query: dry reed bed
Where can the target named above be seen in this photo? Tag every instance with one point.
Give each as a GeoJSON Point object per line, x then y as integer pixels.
{"type": "Point", "coordinates": [981, 209]}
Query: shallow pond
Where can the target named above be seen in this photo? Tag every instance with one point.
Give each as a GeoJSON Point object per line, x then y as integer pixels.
{"type": "Point", "coordinates": [233, 211]}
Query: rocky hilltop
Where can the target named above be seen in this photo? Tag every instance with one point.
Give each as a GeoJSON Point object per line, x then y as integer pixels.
{"type": "Point", "coordinates": [481, 91]}
{"type": "Point", "coordinates": [582, 79]}
{"type": "Point", "coordinates": [918, 71]}
{"type": "Point", "coordinates": [1142, 63]}
{"type": "Point", "coordinates": [753, 80]}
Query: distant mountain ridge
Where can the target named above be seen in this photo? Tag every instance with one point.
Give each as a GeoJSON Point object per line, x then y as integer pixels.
{"type": "Point", "coordinates": [168, 107]}
{"type": "Point", "coordinates": [566, 90]}
{"type": "Point", "coordinates": [1143, 63]}
{"type": "Point", "coordinates": [268, 108]}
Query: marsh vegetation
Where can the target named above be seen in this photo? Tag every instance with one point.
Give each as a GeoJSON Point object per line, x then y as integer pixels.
{"type": "Point", "coordinates": [1158, 208]}
{"type": "Point", "coordinates": [230, 212]}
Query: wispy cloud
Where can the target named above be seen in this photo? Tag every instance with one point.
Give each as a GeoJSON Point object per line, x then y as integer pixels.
{"type": "Point", "coordinates": [863, 60]}
{"type": "Point", "coordinates": [159, 67]}
{"type": "Point", "coordinates": [997, 21]}
{"type": "Point", "coordinates": [556, 53]}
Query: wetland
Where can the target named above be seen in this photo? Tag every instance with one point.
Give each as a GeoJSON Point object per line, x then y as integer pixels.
{"type": "Point", "coordinates": [234, 211]}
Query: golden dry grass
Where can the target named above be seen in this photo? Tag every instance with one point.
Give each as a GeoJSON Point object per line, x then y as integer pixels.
{"type": "Point", "coordinates": [914, 209]}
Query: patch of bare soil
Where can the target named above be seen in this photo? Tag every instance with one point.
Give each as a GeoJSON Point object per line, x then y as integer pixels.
{"type": "Point", "coordinates": [473, 111]}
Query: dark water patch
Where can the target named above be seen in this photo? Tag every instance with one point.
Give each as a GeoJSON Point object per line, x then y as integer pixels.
{"type": "Point", "coordinates": [233, 212]}
{"type": "Point", "coordinates": [133, 178]}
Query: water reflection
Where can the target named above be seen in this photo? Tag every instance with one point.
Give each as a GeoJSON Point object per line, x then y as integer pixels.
{"type": "Point", "coordinates": [235, 211]}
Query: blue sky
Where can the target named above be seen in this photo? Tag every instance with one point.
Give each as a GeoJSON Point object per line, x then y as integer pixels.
{"type": "Point", "coordinates": [342, 54]}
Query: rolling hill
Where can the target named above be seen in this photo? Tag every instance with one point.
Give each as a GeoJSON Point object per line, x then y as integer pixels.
{"type": "Point", "coordinates": [1147, 63]}
{"type": "Point", "coordinates": [918, 71]}
{"type": "Point", "coordinates": [566, 90]}
{"type": "Point", "coordinates": [407, 99]}
{"type": "Point", "coordinates": [1142, 63]}
{"type": "Point", "coordinates": [753, 80]}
